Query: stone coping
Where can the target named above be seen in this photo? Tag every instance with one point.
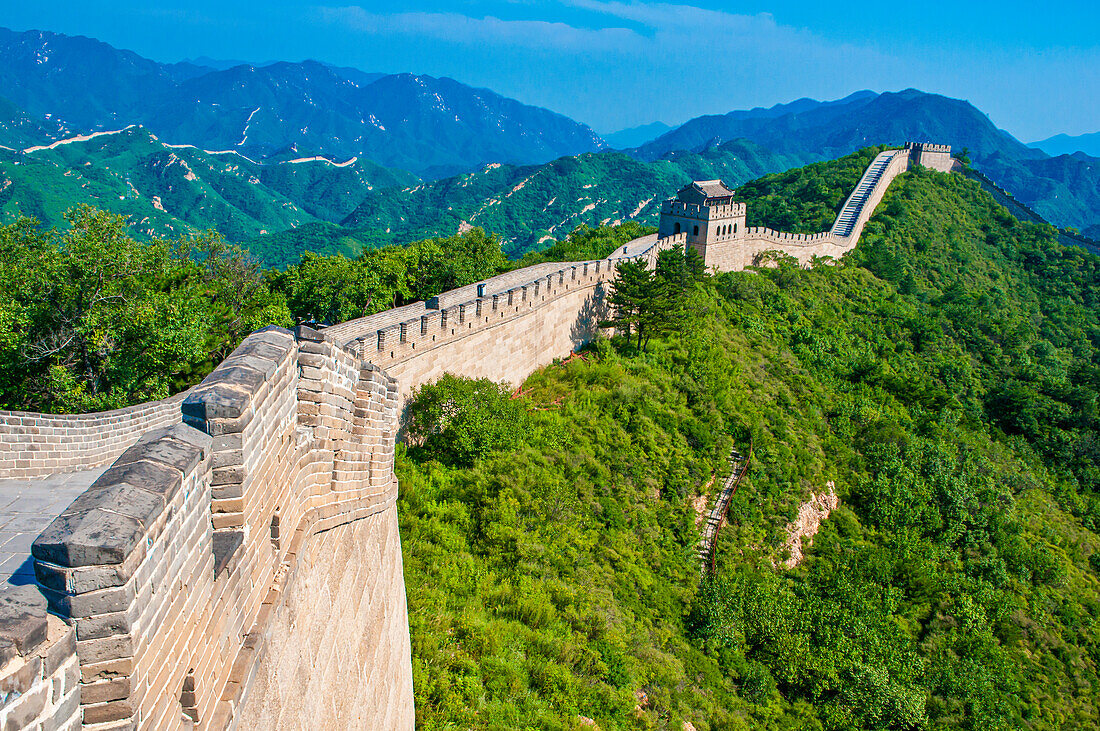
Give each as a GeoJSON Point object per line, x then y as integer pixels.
{"type": "Point", "coordinates": [107, 524]}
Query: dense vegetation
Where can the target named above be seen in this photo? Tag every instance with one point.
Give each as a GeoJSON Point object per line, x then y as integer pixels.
{"type": "Point", "coordinates": [944, 377]}
{"type": "Point", "coordinates": [91, 319]}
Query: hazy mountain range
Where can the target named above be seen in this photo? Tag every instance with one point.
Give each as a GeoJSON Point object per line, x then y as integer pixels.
{"type": "Point", "coordinates": [294, 156]}
{"type": "Point", "coordinates": [1068, 145]}
{"type": "Point", "coordinates": [429, 126]}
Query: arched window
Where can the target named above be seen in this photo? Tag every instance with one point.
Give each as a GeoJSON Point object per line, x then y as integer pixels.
{"type": "Point", "coordinates": [735, 228]}
{"type": "Point", "coordinates": [695, 231]}
{"type": "Point", "coordinates": [676, 228]}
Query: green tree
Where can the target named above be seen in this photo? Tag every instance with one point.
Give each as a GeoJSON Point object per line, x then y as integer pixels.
{"type": "Point", "coordinates": [630, 292]}
{"type": "Point", "coordinates": [458, 420]}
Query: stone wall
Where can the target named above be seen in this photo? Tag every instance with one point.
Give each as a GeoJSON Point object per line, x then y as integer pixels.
{"type": "Point", "coordinates": [39, 671]}
{"type": "Point", "coordinates": [173, 564]}
{"type": "Point", "coordinates": [35, 445]}
{"type": "Point", "coordinates": [331, 639]}
{"type": "Point", "coordinates": [241, 567]}
{"type": "Point", "coordinates": [932, 156]}
{"type": "Point", "coordinates": [746, 250]}
{"type": "Point", "coordinates": [505, 334]}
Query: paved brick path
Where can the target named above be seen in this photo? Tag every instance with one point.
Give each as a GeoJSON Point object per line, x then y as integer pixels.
{"type": "Point", "coordinates": [26, 508]}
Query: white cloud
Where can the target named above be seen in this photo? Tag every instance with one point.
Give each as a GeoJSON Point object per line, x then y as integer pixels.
{"type": "Point", "coordinates": [468, 30]}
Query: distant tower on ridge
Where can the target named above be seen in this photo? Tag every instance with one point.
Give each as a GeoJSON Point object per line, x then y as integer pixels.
{"type": "Point", "coordinates": [705, 211]}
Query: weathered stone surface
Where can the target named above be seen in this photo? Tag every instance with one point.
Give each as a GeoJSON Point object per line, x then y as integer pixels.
{"type": "Point", "coordinates": [23, 617]}
{"type": "Point", "coordinates": [141, 505]}
{"type": "Point", "coordinates": [110, 711]}
{"type": "Point", "coordinates": [23, 713]}
{"type": "Point", "coordinates": [216, 400]}
{"type": "Point", "coordinates": [7, 651]}
{"type": "Point", "coordinates": [61, 650]}
{"type": "Point", "coordinates": [304, 332]}
{"type": "Point", "coordinates": [87, 539]}
{"type": "Point", "coordinates": [163, 447]}
{"type": "Point", "coordinates": [155, 477]}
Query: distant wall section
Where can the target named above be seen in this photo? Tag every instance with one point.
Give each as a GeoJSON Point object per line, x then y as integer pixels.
{"type": "Point", "coordinates": [746, 248]}
{"type": "Point", "coordinates": [35, 445]}
{"type": "Point", "coordinates": [502, 330]}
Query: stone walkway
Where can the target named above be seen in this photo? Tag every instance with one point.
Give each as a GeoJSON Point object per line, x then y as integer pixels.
{"type": "Point", "coordinates": [26, 508]}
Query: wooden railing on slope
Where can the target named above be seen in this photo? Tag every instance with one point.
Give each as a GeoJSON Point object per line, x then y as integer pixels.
{"type": "Point", "coordinates": [709, 542]}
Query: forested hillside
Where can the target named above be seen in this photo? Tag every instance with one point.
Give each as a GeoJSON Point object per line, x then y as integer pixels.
{"type": "Point", "coordinates": [166, 190]}
{"type": "Point", "coordinates": [943, 378]}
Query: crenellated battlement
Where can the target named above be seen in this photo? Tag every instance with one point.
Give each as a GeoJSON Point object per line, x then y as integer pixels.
{"type": "Point", "coordinates": [928, 147]}
{"type": "Point", "coordinates": [719, 234]}
{"type": "Point", "coordinates": [198, 581]}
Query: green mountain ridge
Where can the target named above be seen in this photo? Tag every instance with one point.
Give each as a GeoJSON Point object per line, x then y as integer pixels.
{"type": "Point", "coordinates": [433, 126]}
{"type": "Point", "coordinates": [1064, 189]}
{"type": "Point", "coordinates": [530, 205]}
{"type": "Point", "coordinates": [167, 189]}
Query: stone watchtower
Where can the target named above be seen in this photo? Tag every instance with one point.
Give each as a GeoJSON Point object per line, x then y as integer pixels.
{"type": "Point", "coordinates": [706, 212]}
{"type": "Point", "coordinates": [930, 155]}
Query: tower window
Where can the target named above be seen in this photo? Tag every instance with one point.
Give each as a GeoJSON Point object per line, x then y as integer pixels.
{"type": "Point", "coordinates": [695, 231]}
{"type": "Point", "coordinates": [676, 228]}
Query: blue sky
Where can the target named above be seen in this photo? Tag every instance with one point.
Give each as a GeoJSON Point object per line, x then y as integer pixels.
{"type": "Point", "coordinates": [1034, 67]}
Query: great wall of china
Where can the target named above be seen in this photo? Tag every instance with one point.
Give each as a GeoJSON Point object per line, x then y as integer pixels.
{"type": "Point", "coordinates": [231, 558]}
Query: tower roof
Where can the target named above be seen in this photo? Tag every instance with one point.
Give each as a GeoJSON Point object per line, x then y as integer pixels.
{"type": "Point", "coordinates": [705, 192]}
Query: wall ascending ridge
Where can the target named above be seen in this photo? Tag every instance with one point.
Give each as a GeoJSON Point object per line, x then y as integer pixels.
{"type": "Point", "coordinates": [746, 250]}
{"type": "Point", "coordinates": [241, 567]}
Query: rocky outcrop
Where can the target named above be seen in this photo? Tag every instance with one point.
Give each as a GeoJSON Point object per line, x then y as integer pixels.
{"type": "Point", "coordinates": [806, 525]}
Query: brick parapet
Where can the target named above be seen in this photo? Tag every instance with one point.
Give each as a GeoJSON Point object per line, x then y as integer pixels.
{"type": "Point", "coordinates": [35, 445]}
{"type": "Point", "coordinates": [169, 566]}
{"type": "Point", "coordinates": [40, 683]}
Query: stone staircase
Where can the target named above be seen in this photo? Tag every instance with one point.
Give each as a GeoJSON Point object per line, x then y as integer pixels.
{"type": "Point", "coordinates": [738, 465]}
{"type": "Point", "coordinates": [849, 215]}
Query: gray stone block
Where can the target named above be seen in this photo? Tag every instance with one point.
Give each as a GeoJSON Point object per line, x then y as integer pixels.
{"type": "Point", "coordinates": [123, 498]}
{"type": "Point", "coordinates": [189, 435]}
{"type": "Point", "coordinates": [104, 601]}
{"type": "Point", "coordinates": [304, 332]}
{"type": "Point", "coordinates": [264, 366]}
{"type": "Point", "coordinates": [161, 447]}
{"type": "Point", "coordinates": [263, 348]}
{"type": "Point", "coordinates": [216, 400]}
{"type": "Point", "coordinates": [96, 537]}
{"type": "Point", "coordinates": [87, 578]}
{"type": "Point", "coordinates": [60, 651]}
{"type": "Point", "coordinates": [226, 543]}
{"type": "Point", "coordinates": [23, 617]}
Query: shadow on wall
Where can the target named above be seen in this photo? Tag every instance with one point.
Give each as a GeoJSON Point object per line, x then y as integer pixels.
{"type": "Point", "coordinates": [594, 311]}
